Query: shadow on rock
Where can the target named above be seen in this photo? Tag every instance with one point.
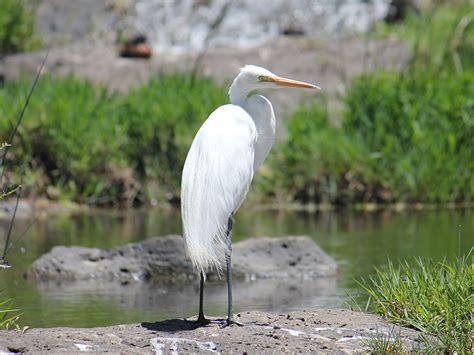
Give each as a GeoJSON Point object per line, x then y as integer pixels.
{"type": "Point", "coordinates": [170, 325]}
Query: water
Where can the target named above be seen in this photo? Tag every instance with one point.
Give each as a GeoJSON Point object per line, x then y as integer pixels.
{"type": "Point", "coordinates": [185, 25]}
{"type": "Point", "coordinates": [358, 242]}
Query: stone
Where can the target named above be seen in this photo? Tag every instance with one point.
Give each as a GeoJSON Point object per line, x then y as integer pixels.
{"type": "Point", "coordinates": [164, 260]}
{"type": "Point", "coordinates": [327, 331]}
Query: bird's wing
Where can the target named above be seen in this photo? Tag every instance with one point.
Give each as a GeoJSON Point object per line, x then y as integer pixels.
{"type": "Point", "coordinates": [216, 177]}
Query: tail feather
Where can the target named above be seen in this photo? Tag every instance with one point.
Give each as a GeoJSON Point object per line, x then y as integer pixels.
{"type": "Point", "coordinates": [205, 214]}
{"type": "Point", "coordinates": [216, 177]}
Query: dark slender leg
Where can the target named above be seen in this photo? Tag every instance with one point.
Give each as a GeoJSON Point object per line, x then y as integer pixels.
{"type": "Point", "coordinates": [228, 257]}
{"type": "Point", "coordinates": [201, 319]}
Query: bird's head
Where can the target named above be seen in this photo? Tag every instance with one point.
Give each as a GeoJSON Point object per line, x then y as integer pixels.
{"type": "Point", "coordinates": [252, 77]}
{"type": "Point", "coordinates": [259, 78]}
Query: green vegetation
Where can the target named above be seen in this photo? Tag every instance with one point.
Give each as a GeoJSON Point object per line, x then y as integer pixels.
{"type": "Point", "coordinates": [402, 137]}
{"type": "Point", "coordinates": [441, 36]}
{"type": "Point", "coordinates": [8, 315]}
{"type": "Point", "coordinates": [17, 22]}
{"type": "Point", "coordinates": [418, 131]}
{"type": "Point", "coordinates": [383, 343]}
{"type": "Point", "coordinates": [160, 131]}
{"type": "Point", "coordinates": [435, 298]}
{"type": "Point", "coordinates": [315, 163]}
{"type": "Point", "coordinates": [80, 143]}
{"type": "Point", "coordinates": [6, 191]}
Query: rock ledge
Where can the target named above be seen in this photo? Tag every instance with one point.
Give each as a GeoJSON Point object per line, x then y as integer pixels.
{"type": "Point", "coordinates": [325, 331]}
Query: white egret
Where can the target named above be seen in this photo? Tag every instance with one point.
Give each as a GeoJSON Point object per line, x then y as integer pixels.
{"type": "Point", "coordinates": [226, 152]}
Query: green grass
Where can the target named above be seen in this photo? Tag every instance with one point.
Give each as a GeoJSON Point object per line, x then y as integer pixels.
{"type": "Point", "coordinates": [160, 120]}
{"type": "Point", "coordinates": [383, 343]}
{"type": "Point", "coordinates": [316, 163]}
{"type": "Point", "coordinates": [8, 315]}
{"type": "Point", "coordinates": [436, 298]}
{"type": "Point", "coordinates": [418, 132]}
{"type": "Point", "coordinates": [17, 26]}
{"type": "Point", "coordinates": [78, 142]}
{"type": "Point", "coordinates": [441, 36]}
{"type": "Point", "coordinates": [402, 137]}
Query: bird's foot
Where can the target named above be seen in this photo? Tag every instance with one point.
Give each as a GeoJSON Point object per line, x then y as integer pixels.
{"type": "Point", "coordinates": [231, 321]}
{"type": "Point", "coordinates": [223, 323]}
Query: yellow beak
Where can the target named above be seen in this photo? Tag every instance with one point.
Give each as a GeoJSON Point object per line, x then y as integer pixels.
{"type": "Point", "coordinates": [293, 83]}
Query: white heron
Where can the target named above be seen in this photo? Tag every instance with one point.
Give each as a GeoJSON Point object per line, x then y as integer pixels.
{"type": "Point", "coordinates": [225, 154]}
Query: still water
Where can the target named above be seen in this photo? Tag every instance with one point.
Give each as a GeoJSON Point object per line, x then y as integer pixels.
{"type": "Point", "coordinates": [357, 241]}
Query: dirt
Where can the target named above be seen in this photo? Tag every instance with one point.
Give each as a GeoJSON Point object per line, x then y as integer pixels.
{"type": "Point", "coordinates": [325, 331]}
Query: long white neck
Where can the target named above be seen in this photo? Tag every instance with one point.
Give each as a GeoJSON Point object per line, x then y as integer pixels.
{"type": "Point", "coordinates": [238, 92]}
{"type": "Point", "coordinates": [261, 111]}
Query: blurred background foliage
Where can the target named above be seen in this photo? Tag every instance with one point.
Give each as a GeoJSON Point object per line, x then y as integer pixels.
{"type": "Point", "coordinates": [401, 137]}
{"type": "Point", "coordinates": [404, 137]}
{"type": "Point", "coordinates": [80, 143]}
{"type": "Point", "coordinates": [17, 26]}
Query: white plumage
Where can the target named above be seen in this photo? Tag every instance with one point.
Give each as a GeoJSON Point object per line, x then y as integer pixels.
{"type": "Point", "coordinates": [216, 177]}
{"type": "Point", "coordinates": [227, 150]}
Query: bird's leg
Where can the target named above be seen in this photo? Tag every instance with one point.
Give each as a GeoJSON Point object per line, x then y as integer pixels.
{"type": "Point", "coordinates": [201, 319]}
{"type": "Point", "coordinates": [228, 259]}
{"type": "Point", "coordinates": [228, 255]}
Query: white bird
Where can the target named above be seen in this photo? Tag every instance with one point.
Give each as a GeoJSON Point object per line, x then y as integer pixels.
{"type": "Point", "coordinates": [225, 154]}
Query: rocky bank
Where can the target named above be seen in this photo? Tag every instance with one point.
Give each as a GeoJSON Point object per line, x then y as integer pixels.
{"type": "Point", "coordinates": [326, 331]}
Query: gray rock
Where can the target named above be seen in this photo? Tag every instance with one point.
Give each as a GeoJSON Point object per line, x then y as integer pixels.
{"type": "Point", "coordinates": [281, 258]}
{"type": "Point", "coordinates": [160, 258]}
{"type": "Point", "coordinates": [164, 260]}
{"type": "Point", "coordinates": [322, 331]}
{"type": "Point", "coordinates": [7, 208]}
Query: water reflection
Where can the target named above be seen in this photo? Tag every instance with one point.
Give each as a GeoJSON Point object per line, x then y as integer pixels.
{"type": "Point", "coordinates": [158, 302]}
{"type": "Point", "coordinates": [358, 242]}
